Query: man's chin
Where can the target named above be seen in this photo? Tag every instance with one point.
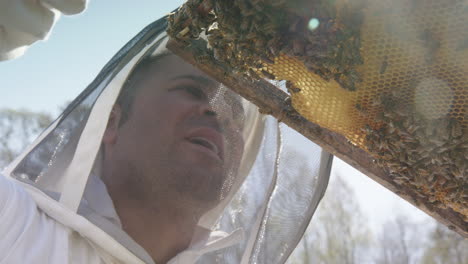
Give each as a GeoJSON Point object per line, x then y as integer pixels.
{"type": "Point", "coordinates": [200, 178]}
{"type": "Point", "coordinates": [208, 195]}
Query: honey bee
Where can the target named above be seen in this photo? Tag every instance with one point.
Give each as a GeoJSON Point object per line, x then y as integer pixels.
{"type": "Point", "coordinates": [292, 88]}
{"type": "Point", "coordinates": [268, 75]}
{"type": "Point", "coordinates": [384, 65]}
{"type": "Point", "coordinates": [363, 111]}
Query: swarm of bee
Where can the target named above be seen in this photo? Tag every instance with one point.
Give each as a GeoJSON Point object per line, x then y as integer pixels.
{"type": "Point", "coordinates": [246, 35]}
{"type": "Point", "coordinates": [429, 155]}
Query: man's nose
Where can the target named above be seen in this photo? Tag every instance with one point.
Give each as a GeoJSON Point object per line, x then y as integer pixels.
{"type": "Point", "coordinates": [210, 116]}
{"type": "Point", "coordinates": [206, 109]}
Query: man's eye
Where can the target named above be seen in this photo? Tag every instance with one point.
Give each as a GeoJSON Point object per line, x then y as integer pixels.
{"type": "Point", "coordinates": [195, 91]}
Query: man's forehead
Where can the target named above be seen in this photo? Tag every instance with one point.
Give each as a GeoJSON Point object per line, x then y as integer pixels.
{"type": "Point", "coordinates": [173, 68]}
{"type": "Point", "coordinates": [200, 79]}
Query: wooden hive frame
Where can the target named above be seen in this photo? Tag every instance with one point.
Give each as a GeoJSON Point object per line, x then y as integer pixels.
{"type": "Point", "coordinates": [273, 101]}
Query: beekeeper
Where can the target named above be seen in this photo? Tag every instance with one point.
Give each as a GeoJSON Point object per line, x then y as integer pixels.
{"type": "Point", "coordinates": [156, 162]}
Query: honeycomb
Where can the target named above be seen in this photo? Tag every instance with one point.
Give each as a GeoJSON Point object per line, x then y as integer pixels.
{"type": "Point", "coordinates": [390, 76]}
{"type": "Point", "coordinates": [414, 50]}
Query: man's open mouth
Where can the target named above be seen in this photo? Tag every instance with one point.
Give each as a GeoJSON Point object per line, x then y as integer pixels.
{"type": "Point", "coordinates": [205, 143]}
{"type": "Point", "coordinates": [207, 138]}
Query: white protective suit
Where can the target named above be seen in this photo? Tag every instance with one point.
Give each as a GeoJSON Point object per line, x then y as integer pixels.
{"type": "Point", "coordinates": [54, 208]}
{"type": "Point", "coordinates": [31, 236]}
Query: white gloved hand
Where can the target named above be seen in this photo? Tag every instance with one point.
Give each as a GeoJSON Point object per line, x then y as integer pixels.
{"type": "Point", "coordinates": [23, 22]}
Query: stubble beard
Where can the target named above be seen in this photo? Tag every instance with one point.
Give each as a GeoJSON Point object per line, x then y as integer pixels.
{"type": "Point", "coordinates": [181, 185]}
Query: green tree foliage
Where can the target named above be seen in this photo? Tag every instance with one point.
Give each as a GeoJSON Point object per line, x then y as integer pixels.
{"type": "Point", "coordinates": [398, 242]}
{"type": "Point", "coordinates": [17, 129]}
{"type": "Point", "coordinates": [337, 233]}
{"type": "Point", "coordinates": [445, 247]}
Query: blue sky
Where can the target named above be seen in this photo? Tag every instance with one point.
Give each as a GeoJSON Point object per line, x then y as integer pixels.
{"type": "Point", "coordinates": [55, 71]}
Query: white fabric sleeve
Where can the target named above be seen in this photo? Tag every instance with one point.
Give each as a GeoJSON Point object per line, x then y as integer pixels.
{"type": "Point", "coordinates": [23, 22]}
{"type": "Point", "coordinates": [27, 236]}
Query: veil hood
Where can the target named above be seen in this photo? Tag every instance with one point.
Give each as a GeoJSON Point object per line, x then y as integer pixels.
{"type": "Point", "coordinates": [264, 211]}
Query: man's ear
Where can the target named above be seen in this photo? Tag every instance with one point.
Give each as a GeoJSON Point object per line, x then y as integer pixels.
{"type": "Point", "coordinates": [111, 133]}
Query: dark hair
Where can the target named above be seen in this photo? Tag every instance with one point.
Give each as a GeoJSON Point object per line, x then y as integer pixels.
{"type": "Point", "coordinates": [146, 66]}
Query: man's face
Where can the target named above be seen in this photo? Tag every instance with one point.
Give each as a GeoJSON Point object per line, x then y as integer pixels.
{"type": "Point", "coordinates": [183, 135]}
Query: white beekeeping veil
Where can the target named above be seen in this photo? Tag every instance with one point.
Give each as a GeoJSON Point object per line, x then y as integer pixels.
{"type": "Point", "coordinates": [264, 202]}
